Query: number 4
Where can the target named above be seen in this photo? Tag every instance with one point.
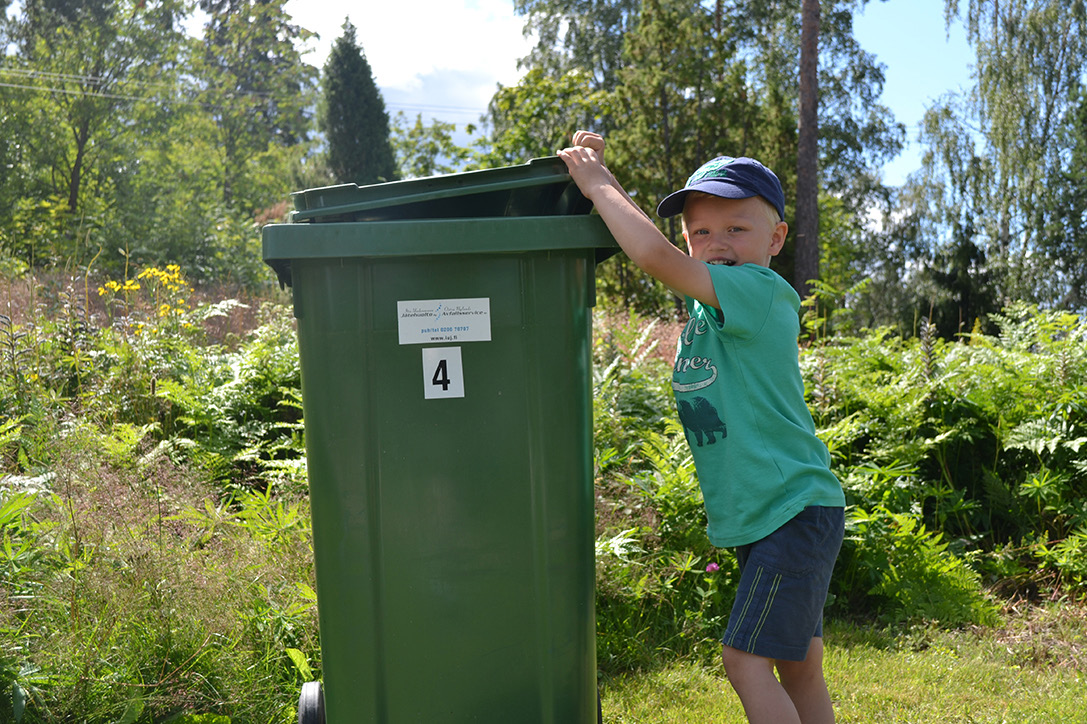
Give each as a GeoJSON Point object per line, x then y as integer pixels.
{"type": "Point", "coordinates": [443, 373]}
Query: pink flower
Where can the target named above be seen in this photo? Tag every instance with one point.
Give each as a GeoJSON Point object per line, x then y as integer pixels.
{"type": "Point", "coordinates": [712, 568]}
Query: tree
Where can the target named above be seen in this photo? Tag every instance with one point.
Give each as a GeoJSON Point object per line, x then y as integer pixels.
{"type": "Point", "coordinates": [696, 79]}
{"type": "Point", "coordinates": [120, 57]}
{"type": "Point", "coordinates": [353, 116]}
{"type": "Point", "coordinates": [427, 150]}
{"type": "Point", "coordinates": [1065, 234]}
{"type": "Point", "coordinates": [583, 35]}
{"type": "Point", "coordinates": [87, 75]}
{"type": "Point", "coordinates": [807, 170]}
{"type": "Point", "coordinates": [260, 95]}
{"type": "Point", "coordinates": [524, 122]}
{"type": "Point", "coordinates": [1010, 172]}
{"type": "Point", "coordinates": [687, 95]}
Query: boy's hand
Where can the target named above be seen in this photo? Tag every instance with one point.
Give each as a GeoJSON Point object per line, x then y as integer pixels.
{"type": "Point", "coordinates": [588, 139]}
{"type": "Point", "coordinates": [632, 228]}
{"type": "Point", "coordinates": [585, 162]}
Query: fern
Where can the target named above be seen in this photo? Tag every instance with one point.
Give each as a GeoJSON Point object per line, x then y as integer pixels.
{"type": "Point", "coordinates": [908, 573]}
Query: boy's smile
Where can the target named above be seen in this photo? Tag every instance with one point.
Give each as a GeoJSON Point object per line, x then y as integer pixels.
{"type": "Point", "coordinates": [731, 232]}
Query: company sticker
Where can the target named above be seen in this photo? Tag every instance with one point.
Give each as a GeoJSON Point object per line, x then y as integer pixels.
{"type": "Point", "coordinates": [430, 321]}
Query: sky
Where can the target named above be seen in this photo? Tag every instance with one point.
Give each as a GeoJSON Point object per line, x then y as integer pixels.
{"type": "Point", "coordinates": [443, 58]}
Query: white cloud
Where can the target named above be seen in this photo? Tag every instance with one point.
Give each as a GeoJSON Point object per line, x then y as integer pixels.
{"type": "Point", "coordinates": [410, 41]}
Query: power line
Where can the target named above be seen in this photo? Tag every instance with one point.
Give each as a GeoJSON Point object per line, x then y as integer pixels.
{"type": "Point", "coordinates": [72, 77]}
{"type": "Point", "coordinates": [434, 109]}
{"type": "Point", "coordinates": [93, 80]}
{"type": "Point", "coordinates": [54, 78]}
{"type": "Point", "coordinates": [65, 91]}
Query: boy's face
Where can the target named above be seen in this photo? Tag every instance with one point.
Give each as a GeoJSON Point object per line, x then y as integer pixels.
{"type": "Point", "coordinates": [731, 231]}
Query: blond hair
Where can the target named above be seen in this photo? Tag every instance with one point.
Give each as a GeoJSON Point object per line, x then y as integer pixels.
{"type": "Point", "coordinates": [771, 211]}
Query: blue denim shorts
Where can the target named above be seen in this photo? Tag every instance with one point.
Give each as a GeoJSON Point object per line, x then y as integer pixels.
{"type": "Point", "coordinates": [783, 586]}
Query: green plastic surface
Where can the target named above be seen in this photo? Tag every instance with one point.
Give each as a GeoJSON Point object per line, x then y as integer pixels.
{"type": "Point", "coordinates": [453, 537]}
{"type": "Point", "coordinates": [540, 187]}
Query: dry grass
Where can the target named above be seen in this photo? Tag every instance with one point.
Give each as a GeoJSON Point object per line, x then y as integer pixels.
{"type": "Point", "coordinates": [1043, 636]}
{"type": "Point", "coordinates": [145, 592]}
{"type": "Point", "coordinates": [30, 298]}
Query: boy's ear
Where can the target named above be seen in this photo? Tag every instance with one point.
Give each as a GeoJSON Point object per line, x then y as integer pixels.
{"type": "Point", "coordinates": [777, 241]}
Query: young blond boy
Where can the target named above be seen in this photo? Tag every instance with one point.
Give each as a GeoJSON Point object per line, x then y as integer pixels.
{"type": "Point", "coordinates": [765, 477]}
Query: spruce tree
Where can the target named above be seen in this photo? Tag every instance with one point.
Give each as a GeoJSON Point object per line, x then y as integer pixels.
{"type": "Point", "coordinates": [353, 116]}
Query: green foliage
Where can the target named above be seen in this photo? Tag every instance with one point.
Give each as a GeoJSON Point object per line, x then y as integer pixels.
{"type": "Point", "coordinates": [892, 566]}
{"type": "Point", "coordinates": [630, 393]}
{"type": "Point", "coordinates": [136, 144]}
{"type": "Point", "coordinates": [955, 456]}
{"type": "Point", "coordinates": [250, 69]}
{"type": "Point", "coordinates": [998, 172]}
{"type": "Point", "coordinates": [655, 596]}
{"type": "Point", "coordinates": [353, 116]}
{"type": "Point", "coordinates": [112, 584]}
{"type": "Point", "coordinates": [239, 412]}
{"type": "Point", "coordinates": [996, 429]}
{"type": "Point", "coordinates": [150, 464]}
{"type": "Point", "coordinates": [586, 36]}
{"type": "Point", "coordinates": [660, 585]}
{"type": "Point", "coordinates": [427, 150]}
{"type": "Point", "coordinates": [524, 121]}
{"type": "Point", "coordinates": [672, 83]}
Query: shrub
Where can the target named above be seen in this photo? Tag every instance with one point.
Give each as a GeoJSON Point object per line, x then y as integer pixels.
{"type": "Point", "coordinates": [894, 568]}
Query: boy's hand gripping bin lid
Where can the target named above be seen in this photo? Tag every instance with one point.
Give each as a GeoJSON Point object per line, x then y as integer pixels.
{"type": "Point", "coordinates": [540, 188]}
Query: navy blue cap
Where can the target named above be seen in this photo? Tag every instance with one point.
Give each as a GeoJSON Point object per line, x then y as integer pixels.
{"type": "Point", "coordinates": [730, 178]}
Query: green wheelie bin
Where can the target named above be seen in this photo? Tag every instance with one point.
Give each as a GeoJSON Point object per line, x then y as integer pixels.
{"type": "Point", "coordinates": [444, 329]}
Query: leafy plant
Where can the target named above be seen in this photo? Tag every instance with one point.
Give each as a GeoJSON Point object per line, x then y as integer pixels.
{"type": "Point", "coordinates": [891, 565]}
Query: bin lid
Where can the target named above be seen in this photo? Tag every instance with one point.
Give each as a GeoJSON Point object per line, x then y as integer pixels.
{"type": "Point", "coordinates": [541, 187]}
{"type": "Point", "coordinates": [477, 206]}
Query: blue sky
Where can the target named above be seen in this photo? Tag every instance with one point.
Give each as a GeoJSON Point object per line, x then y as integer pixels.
{"type": "Point", "coordinates": [443, 58]}
{"type": "Point", "coordinates": [924, 60]}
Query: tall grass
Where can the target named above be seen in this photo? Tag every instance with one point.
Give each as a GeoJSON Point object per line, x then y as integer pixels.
{"type": "Point", "coordinates": [155, 554]}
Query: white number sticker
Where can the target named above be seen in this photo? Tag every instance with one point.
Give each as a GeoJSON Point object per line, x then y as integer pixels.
{"type": "Point", "coordinates": [443, 373]}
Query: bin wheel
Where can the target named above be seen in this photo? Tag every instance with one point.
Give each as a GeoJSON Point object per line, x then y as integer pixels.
{"type": "Point", "coordinates": [311, 704]}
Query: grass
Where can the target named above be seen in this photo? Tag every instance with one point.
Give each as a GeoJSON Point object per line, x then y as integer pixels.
{"type": "Point", "coordinates": [1030, 670]}
{"type": "Point", "coordinates": [128, 594]}
{"type": "Point", "coordinates": [161, 568]}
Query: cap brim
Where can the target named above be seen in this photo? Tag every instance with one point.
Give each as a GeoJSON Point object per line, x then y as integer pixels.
{"type": "Point", "coordinates": [672, 204]}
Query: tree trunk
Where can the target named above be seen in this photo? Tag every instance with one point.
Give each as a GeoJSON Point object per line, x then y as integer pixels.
{"type": "Point", "coordinates": [82, 137]}
{"type": "Point", "coordinates": [807, 171]}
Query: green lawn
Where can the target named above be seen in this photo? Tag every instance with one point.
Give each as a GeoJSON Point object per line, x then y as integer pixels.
{"type": "Point", "coordinates": [1031, 670]}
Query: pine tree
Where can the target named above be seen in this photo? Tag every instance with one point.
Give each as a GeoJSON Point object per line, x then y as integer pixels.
{"type": "Point", "coordinates": [353, 116]}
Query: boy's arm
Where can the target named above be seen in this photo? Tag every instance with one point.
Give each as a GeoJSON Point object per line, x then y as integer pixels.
{"type": "Point", "coordinates": [633, 230]}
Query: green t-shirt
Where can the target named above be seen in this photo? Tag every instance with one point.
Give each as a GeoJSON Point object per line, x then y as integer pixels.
{"type": "Point", "coordinates": [741, 400]}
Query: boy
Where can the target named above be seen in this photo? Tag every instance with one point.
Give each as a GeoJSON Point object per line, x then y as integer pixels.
{"type": "Point", "coordinates": [765, 476]}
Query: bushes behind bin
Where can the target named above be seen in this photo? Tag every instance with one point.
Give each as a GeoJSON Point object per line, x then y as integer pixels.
{"type": "Point", "coordinates": [156, 547]}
